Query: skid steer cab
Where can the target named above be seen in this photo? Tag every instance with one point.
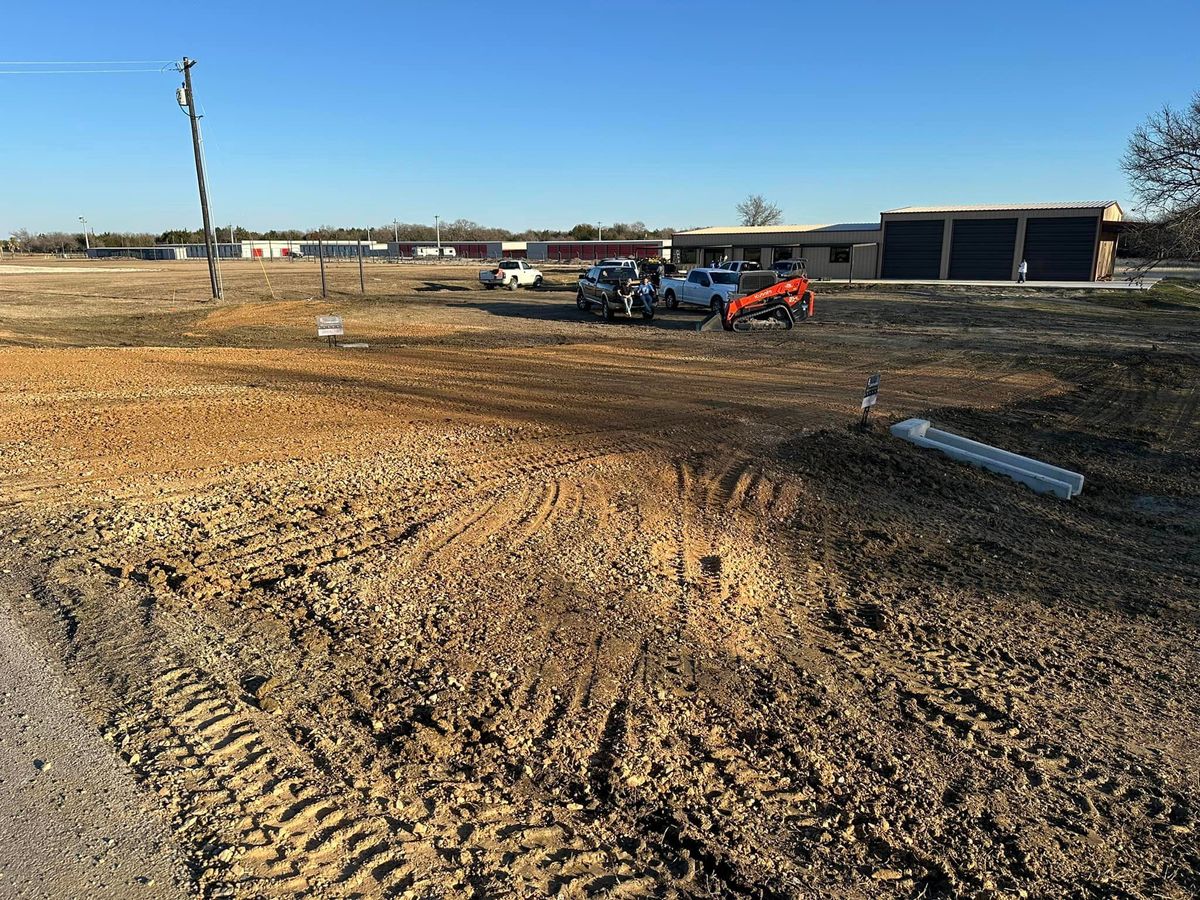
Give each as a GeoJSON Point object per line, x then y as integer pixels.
{"type": "Point", "coordinates": [762, 302]}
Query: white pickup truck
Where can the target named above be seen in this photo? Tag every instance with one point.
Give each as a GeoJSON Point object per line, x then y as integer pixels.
{"type": "Point", "coordinates": [709, 288]}
{"type": "Point", "coordinates": [511, 273]}
{"type": "Point", "coordinates": [740, 265]}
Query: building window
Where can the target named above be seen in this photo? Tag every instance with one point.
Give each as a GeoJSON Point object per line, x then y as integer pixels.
{"type": "Point", "coordinates": [839, 254]}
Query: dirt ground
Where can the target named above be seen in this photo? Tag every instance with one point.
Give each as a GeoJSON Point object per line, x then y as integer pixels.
{"type": "Point", "coordinates": [518, 603]}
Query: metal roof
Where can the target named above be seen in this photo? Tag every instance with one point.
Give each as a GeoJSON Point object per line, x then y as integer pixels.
{"type": "Point", "coordinates": [1005, 207]}
{"type": "Point", "coordinates": [781, 229]}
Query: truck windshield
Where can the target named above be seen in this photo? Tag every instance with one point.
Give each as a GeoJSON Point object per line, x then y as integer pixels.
{"type": "Point", "coordinates": [617, 274]}
{"type": "Point", "coordinates": [724, 277]}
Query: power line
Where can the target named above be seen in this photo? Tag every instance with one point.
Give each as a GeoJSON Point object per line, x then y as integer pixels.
{"type": "Point", "coordinates": [88, 62]}
{"type": "Point", "coordinates": [78, 71]}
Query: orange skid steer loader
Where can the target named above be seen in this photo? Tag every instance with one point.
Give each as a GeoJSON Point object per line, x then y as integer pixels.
{"type": "Point", "coordinates": [761, 303]}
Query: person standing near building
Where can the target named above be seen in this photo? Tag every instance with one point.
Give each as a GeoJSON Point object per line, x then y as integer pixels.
{"type": "Point", "coordinates": [1022, 271]}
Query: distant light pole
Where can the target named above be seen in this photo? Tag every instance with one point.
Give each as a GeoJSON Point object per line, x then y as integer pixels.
{"type": "Point", "coordinates": [396, 230]}
{"type": "Point", "coordinates": [437, 231]}
{"type": "Point", "coordinates": [599, 231]}
{"type": "Point", "coordinates": [87, 245]}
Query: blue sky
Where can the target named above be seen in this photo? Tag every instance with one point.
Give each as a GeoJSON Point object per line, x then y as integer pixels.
{"type": "Point", "coordinates": [544, 115]}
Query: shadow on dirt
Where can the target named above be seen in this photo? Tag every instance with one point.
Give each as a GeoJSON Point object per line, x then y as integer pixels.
{"type": "Point", "coordinates": [547, 312]}
{"type": "Point", "coordinates": [440, 286]}
{"type": "Point", "coordinates": [550, 287]}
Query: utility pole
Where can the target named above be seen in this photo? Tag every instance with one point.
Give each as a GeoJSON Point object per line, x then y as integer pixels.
{"type": "Point", "coordinates": [210, 240]}
{"type": "Point", "coordinates": [87, 245]}
{"type": "Point", "coordinates": [437, 230]}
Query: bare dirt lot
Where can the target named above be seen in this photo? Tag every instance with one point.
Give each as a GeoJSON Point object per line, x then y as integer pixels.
{"type": "Point", "coordinates": [518, 603]}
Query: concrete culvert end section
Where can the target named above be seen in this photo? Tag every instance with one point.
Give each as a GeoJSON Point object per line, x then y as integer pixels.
{"type": "Point", "coordinates": [1041, 477]}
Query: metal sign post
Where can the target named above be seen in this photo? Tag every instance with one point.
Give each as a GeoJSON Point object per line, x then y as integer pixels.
{"type": "Point", "coordinates": [362, 281]}
{"type": "Point", "coordinates": [321, 257]}
{"type": "Point", "coordinates": [330, 328]}
{"type": "Point", "coordinates": [870, 395]}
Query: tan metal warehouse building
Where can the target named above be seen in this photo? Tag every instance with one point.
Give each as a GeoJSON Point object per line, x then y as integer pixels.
{"type": "Point", "coordinates": [1060, 241]}
{"type": "Point", "coordinates": [829, 249]}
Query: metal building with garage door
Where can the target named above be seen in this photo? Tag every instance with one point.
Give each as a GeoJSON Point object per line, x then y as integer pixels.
{"type": "Point", "coordinates": [1060, 241]}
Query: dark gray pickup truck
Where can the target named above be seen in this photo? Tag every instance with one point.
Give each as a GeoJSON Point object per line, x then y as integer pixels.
{"type": "Point", "coordinates": [608, 288]}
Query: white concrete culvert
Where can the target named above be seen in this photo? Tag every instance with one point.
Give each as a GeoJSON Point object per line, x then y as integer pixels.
{"type": "Point", "coordinates": [1041, 477]}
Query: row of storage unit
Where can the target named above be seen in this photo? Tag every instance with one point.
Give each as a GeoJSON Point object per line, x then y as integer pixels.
{"type": "Point", "coordinates": [548, 251]}
{"type": "Point", "coordinates": [165, 251]}
{"type": "Point", "coordinates": [242, 250]}
{"type": "Point", "coordinates": [565, 251]}
{"type": "Point", "coordinates": [1059, 241]}
{"type": "Point", "coordinates": [453, 249]}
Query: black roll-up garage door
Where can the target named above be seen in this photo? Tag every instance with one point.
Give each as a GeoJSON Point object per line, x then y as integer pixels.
{"type": "Point", "coordinates": [913, 249]}
{"type": "Point", "coordinates": [983, 249]}
{"type": "Point", "coordinates": [1060, 249]}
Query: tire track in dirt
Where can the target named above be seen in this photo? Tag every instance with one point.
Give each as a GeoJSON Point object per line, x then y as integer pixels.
{"type": "Point", "coordinates": [966, 702]}
{"type": "Point", "coordinates": [530, 522]}
{"type": "Point", "coordinates": [260, 826]}
{"type": "Point", "coordinates": [182, 729]}
{"type": "Point", "coordinates": [1184, 420]}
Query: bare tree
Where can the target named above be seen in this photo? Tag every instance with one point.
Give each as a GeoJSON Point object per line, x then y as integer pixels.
{"type": "Point", "coordinates": [754, 210]}
{"type": "Point", "coordinates": [45, 242]}
{"type": "Point", "coordinates": [1163, 164]}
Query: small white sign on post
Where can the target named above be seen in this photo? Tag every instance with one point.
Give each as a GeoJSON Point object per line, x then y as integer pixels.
{"type": "Point", "coordinates": [329, 326]}
{"type": "Point", "coordinates": [870, 396]}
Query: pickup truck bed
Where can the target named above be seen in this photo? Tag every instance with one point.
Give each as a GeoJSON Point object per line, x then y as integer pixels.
{"type": "Point", "coordinates": [511, 273]}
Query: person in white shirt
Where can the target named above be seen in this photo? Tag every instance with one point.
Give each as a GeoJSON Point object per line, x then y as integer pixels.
{"type": "Point", "coordinates": [1022, 271]}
